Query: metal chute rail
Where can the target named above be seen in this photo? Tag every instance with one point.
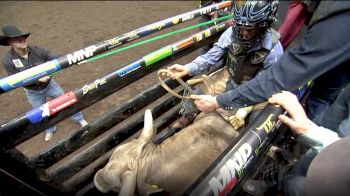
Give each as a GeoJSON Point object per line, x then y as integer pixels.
{"type": "Point", "coordinates": [64, 106]}
{"type": "Point", "coordinates": [59, 170]}
{"type": "Point", "coordinates": [67, 168]}
{"type": "Point", "coordinates": [30, 75]}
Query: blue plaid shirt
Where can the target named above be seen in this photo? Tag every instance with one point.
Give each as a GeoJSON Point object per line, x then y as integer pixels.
{"type": "Point", "coordinates": [202, 63]}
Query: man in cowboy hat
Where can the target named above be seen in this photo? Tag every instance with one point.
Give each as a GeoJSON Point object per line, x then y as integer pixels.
{"type": "Point", "coordinates": [22, 57]}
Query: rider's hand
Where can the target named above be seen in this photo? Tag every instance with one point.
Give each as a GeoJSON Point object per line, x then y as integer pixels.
{"type": "Point", "coordinates": [178, 71]}
{"type": "Point", "coordinates": [298, 121]}
{"type": "Point", "coordinates": [44, 79]}
{"type": "Point", "coordinates": [205, 103]}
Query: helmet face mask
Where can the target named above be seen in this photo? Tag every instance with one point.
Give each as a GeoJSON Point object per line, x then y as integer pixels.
{"type": "Point", "coordinates": [246, 34]}
{"type": "Point", "coordinates": [252, 19]}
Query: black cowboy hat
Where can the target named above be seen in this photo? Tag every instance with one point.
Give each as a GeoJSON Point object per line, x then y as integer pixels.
{"type": "Point", "coordinates": [10, 32]}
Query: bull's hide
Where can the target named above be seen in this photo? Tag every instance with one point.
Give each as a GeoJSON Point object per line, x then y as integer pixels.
{"type": "Point", "coordinates": [172, 165]}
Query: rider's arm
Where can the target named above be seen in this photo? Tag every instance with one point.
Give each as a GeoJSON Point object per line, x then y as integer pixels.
{"type": "Point", "coordinates": [202, 63]}
{"type": "Point", "coordinates": [321, 49]}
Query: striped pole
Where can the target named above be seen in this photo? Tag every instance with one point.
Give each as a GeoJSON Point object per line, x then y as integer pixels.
{"type": "Point", "coordinates": [101, 87]}
{"type": "Point", "coordinates": [31, 75]}
{"type": "Point", "coordinates": [228, 173]}
{"type": "Point", "coordinates": [233, 165]}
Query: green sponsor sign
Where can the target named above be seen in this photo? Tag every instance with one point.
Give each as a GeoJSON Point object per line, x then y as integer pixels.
{"type": "Point", "coordinates": [158, 55]}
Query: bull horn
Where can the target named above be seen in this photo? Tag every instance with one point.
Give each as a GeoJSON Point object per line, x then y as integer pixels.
{"type": "Point", "coordinates": [148, 132]}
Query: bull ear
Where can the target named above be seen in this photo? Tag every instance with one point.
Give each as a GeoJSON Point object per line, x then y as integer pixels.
{"type": "Point", "coordinates": [100, 182]}
{"type": "Point", "coordinates": [148, 132]}
{"type": "Point", "coordinates": [128, 184]}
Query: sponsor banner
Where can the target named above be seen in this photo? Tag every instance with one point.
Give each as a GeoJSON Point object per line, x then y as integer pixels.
{"type": "Point", "coordinates": [80, 55]}
{"type": "Point", "coordinates": [128, 69]}
{"type": "Point", "coordinates": [207, 33]}
{"type": "Point", "coordinates": [26, 76]}
{"type": "Point", "coordinates": [182, 44]}
{"type": "Point", "coordinates": [94, 85]}
{"type": "Point", "coordinates": [187, 17]}
{"type": "Point", "coordinates": [132, 35]}
{"type": "Point", "coordinates": [199, 37]}
{"type": "Point", "coordinates": [158, 55]}
{"type": "Point", "coordinates": [175, 20]}
{"type": "Point", "coordinates": [225, 4]}
{"type": "Point", "coordinates": [206, 10]}
{"type": "Point", "coordinates": [230, 169]}
{"type": "Point", "coordinates": [114, 42]}
{"type": "Point", "coordinates": [38, 114]}
{"type": "Point", "coordinates": [233, 168]}
{"type": "Point", "coordinates": [61, 102]}
{"type": "Point", "coordinates": [156, 26]}
{"type": "Point", "coordinates": [35, 115]}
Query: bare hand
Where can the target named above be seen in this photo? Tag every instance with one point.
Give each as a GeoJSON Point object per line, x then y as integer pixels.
{"type": "Point", "coordinates": [205, 103]}
{"type": "Point", "coordinates": [178, 71]}
{"type": "Point", "coordinates": [298, 121]}
{"type": "Point", "coordinates": [213, 15]}
{"type": "Point", "coordinates": [44, 79]}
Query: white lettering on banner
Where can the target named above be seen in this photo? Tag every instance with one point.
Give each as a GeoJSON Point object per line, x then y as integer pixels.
{"type": "Point", "coordinates": [188, 17]}
{"type": "Point", "coordinates": [80, 55]}
{"type": "Point", "coordinates": [205, 11]}
{"type": "Point", "coordinates": [95, 84]}
{"type": "Point", "coordinates": [158, 26]}
{"type": "Point", "coordinates": [132, 35]}
{"type": "Point", "coordinates": [230, 168]}
{"type": "Point", "coordinates": [66, 104]}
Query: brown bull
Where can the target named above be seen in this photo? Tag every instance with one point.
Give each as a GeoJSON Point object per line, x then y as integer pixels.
{"type": "Point", "coordinates": [172, 165]}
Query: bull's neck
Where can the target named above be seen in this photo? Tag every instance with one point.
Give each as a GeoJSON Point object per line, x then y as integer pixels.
{"type": "Point", "coordinates": [161, 156]}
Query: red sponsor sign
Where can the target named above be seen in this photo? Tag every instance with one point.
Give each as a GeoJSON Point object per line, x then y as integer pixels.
{"type": "Point", "coordinates": [61, 102]}
{"type": "Point", "coordinates": [183, 44]}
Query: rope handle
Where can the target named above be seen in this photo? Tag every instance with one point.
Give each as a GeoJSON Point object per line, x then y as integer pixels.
{"type": "Point", "coordinates": [178, 79]}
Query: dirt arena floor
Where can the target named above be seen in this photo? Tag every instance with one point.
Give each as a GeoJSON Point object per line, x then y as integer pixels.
{"type": "Point", "coordinates": [64, 27]}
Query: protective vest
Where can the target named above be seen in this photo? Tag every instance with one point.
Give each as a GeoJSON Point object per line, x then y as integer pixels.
{"type": "Point", "coordinates": [243, 65]}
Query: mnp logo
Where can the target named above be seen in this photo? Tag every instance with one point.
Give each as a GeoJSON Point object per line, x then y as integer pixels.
{"type": "Point", "coordinates": [227, 179]}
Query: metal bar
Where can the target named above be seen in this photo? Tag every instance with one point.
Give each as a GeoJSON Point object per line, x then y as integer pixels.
{"type": "Point", "coordinates": [25, 174]}
{"type": "Point", "coordinates": [85, 176]}
{"type": "Point", "coordinates": [72, 164]}
{"type": "Point", "coordinates": [223, 175]}
{"type": "Point", "coordinates": [30, 75]}
{"type": "Point", "coordinates": [19, 183]}
{"type": "Point", "coordinates": [156, 38]}
{"type": "Point", "coordinates": [104, 123]}
{"type": "Point", "coordinates": [40, 118]}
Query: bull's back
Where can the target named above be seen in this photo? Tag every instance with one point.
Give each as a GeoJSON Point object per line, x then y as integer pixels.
{"type": "Point", "coordinates": [192, 150]}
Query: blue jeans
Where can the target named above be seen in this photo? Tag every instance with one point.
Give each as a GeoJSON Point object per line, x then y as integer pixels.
{"type": "Point", "coordinates": [325, 90]}
{"type": "Point", "coordinates": [38, 97]}
{"type": "Point", "coordinates": [337, 116]}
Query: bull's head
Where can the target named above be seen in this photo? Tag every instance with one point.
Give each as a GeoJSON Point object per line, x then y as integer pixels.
{"type": "Point", "coordinates": [120, 173]}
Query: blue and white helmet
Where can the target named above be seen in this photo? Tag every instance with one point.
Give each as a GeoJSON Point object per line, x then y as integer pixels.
{"type": "Point", "coordinates": [253, 14]}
